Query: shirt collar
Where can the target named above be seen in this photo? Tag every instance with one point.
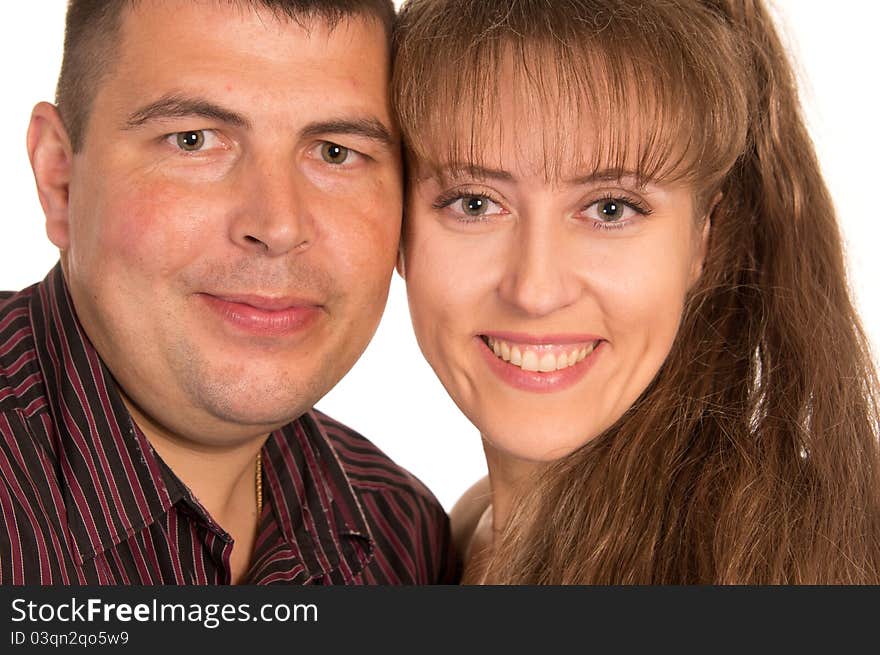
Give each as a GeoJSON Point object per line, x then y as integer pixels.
{"type": "Point", "coordinates": [327, 528]}
{"type": "Point", "coordinates": [115, 484]}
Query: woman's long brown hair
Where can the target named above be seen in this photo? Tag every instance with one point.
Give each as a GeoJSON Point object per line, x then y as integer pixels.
{"type": "Point", "coordinates": [752, 458]}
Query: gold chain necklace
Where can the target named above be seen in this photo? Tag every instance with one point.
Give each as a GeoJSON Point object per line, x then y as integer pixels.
{"type": "Point", "coordinates": [259, 484]}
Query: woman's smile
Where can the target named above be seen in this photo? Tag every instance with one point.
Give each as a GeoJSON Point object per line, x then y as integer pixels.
{"type": "Point", "coordinates": [539, 365]}
{"type": "Point", "coordinates": [543, 354]}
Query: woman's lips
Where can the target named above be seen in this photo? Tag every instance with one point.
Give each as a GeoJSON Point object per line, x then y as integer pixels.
{"type": "Point", "coordinates": [264, 315]}
{"type": "Point", "coordinates": [540, 364]}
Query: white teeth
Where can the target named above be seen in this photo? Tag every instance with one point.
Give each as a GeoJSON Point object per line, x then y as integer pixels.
{"type": "Point", "coordinates": [547, 363]}
{"type": "Point", "coordinates": [534, 360]}
{"type": "Point", "coordinates": [530, 361]}
{"type": "Point", "coordinates": [516, 356]}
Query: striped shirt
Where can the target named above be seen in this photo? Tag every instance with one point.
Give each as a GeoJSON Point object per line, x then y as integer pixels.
{"type": "Point", "coordinates": [84, 499]}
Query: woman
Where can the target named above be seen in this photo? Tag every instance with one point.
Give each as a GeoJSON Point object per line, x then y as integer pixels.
{"type": "Point", "coordinates": [624, 265]}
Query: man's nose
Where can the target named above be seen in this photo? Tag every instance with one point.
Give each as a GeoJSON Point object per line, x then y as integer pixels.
{"type": "Point", "coordinates": [541, 273]}
{"type": "Point", "coordinates": [274, 214]}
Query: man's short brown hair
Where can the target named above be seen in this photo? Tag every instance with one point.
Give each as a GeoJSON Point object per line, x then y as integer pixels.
{"type": "Point", "coordinates": [91, 38]}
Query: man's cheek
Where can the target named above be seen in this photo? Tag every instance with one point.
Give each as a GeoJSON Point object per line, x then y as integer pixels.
{"type": "Point", "coordinates": [377, 210]}
{"type": "Point", "coordinates": [364, 249]}
{"type": "Point", "coordinates": [150, 230]}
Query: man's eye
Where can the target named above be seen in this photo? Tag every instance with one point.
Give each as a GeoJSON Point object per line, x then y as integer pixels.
{"type": "Point", "coordinates": [333, 153]}
{"type": "Point", "coordinates": [191, 141]}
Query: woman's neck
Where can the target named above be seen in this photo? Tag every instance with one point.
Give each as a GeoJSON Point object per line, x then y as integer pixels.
{"type": "Point", "coordinates": [506, 475]}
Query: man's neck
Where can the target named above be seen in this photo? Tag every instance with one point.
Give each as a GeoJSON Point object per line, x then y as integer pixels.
{"type": "Point", "coordinates": [222, 479]}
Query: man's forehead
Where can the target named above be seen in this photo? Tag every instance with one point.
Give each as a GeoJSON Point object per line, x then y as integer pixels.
{"type": "Point", "coordinates": [239, 69]}
{"type": "Point", "coordinates": [153, 26]}
{"type": "Point", "coordinates": [185, 36]}
{"type": "Point", "coordinates": [303, 15]}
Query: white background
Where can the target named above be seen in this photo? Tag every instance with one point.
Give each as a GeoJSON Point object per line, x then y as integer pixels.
{"type": "Point", "coordinates": [392, 395]}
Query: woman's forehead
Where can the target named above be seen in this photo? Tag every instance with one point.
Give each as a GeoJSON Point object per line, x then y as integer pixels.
{"type": "Point", "coordinates": [539, 116]}
{"type": "Point", "coordinates": [656, 105]}
{"type": "Point", "coordinates": [552, 145]}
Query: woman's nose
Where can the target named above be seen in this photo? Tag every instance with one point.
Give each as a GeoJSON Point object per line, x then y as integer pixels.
{"type": "Point", "coordinates": [540, 276]}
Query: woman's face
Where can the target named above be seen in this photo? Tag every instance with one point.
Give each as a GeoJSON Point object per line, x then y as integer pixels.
{"type": "Point", "coordinates": [546, 307]}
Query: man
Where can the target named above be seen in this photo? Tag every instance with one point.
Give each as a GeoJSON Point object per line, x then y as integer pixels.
{"type": "Point", "coordinates": [223, 182]}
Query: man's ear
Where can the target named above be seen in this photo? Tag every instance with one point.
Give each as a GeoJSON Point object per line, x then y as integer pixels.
{"type": "Point", "coordinates": [51, 158]}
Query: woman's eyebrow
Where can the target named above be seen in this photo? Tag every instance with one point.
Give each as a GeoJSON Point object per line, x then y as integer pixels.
{"type": "Point", "coordinates": [456, 169]}
{"type": "Point", "coordinates": [608, 175]}
{"type": "Point", "coordinates": [450, 171]}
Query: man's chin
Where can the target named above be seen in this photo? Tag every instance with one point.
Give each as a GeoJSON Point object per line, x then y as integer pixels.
{"type": "Point", "coordinates": [239, 391]}
{"type": "Point", "coordinates": [261, 414]}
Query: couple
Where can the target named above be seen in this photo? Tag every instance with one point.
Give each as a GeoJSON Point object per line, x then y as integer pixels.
{"type": "Point", "coordinates": [621, 261]}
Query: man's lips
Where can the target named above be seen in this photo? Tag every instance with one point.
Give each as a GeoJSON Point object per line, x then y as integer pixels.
{"type": "Point", "coordinates": [264, 315]}
{"type": "Point", "coordinates": [266, 303]}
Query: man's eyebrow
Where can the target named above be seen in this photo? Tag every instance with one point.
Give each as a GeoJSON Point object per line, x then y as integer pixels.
{"type": "Point", "coordinates": [176, 106]}
{"type": "Point", "coordinates": [370, 128]}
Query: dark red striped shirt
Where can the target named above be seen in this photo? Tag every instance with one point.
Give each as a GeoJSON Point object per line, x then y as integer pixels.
{"type": "Point", "coordinates": [84, 499]}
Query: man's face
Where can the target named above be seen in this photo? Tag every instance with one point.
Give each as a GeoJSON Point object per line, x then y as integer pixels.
{"type": "Point", "coordinates": [234, 213]}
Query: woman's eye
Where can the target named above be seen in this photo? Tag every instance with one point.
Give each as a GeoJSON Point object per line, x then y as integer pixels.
{"type": "Point", "coordinates": [611, 210]}
{"type": "Point", "coordinates": [474, 206]}
{"type": "Point", "coordinates": [335, 154]}
{"type": "Point", "coordinates": [194, 140]}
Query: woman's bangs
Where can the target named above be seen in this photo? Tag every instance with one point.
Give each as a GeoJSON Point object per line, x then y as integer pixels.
{"type": "Point", "coordinates": [616, 100]}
